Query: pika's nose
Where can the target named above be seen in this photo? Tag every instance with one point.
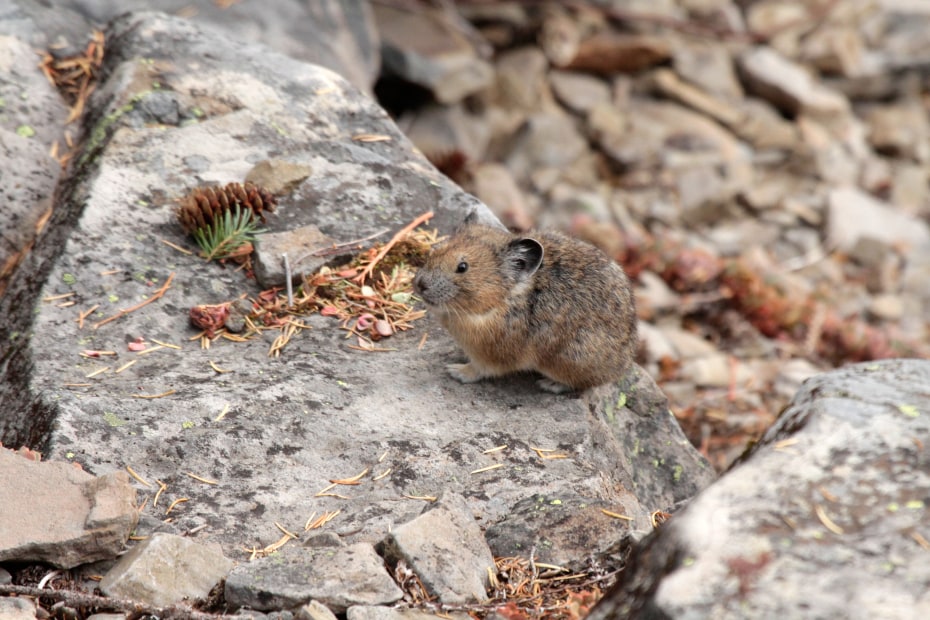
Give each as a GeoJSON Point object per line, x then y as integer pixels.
{"type": "Point", "coordinates": [419, 284]}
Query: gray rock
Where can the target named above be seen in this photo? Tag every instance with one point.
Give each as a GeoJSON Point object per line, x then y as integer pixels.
{"type": "Point", "coordinates": [315, 610]}
{"type": "Point", "coordinates": [854, 215]}
{"type": "Point", "coordinates": [338, 34]}
{"type": "Point", "coordinates": [426, 544]}
{"type": "Point", "coordinates": [165, 569]}
{"type": "Point", "coordinates": [789, 86]}
{"type": "Point", "coordinates": [57, 513]}
{"type": "Point", "coordinates": [820, 520]}
{"type": "Point", "coordinates": [422, 46]}
{"type": "Point", "coordinates": [361, 612]}
{"type": "Point", "coordinates": [546, 141]}
{"type": "Point", "coordinates": [32, 115]}
{"type": "Point", "coordinates": [278, 176]}
{"type": "Point", "coordinates": [113, 616]}
{"type": "Point", "coordinates": [438, 130]}
{"type": "Point", "coordinates": [17, 608]}
{"type": "Point", "coordinates": [307, 250]}
{"type": "Point", "coordinates": [521, 82]}
{"type": "Point", "coordinates": [577, 91]}
{"type": "Point", "coordinates": [338, 578]}
{"type": "Point", "coordinates": [900, 131]}
{"type": "Point", "coordinates": [5, 577]}
{"type": "Point", "coordinates": [494, 185]}
{"type": "Point", "coordinates": [708, 66]}
{"type": "Point", "coordinates": [563, 529]}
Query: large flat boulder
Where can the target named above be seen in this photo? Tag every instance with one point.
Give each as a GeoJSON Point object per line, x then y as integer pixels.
{"type": "Point", "coordinates": [243, 443]}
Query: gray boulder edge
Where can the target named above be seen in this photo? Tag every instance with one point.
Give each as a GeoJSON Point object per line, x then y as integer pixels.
{"type": "Point", "coordinates": [817, 520]}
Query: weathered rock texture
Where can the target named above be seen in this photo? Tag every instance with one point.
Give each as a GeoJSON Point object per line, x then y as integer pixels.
{"type": "Point", "coordinates": [336, 577]}
{"type": "Point", "coordinates": [826, 517]}
{"type": "Point", "coordinates": [181, 107]}
{"type": "Point", "coordinates": [166, 569]}
{"type": "Point", "coordinates": [57, 513]}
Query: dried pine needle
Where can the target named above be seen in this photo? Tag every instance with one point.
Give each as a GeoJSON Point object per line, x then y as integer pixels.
{"type": "Point", "coordinates": [488, 468]}
{"type": "Point", "coordinates": [180, 500]}
{"type": "Point", "coordinates": [99, 371]}
{"type": "Point", "coordinates": [137, 476]}
{"type": "Point", "coordinates": [285, 530]}
{"type": "Point", "coordinates": [425, 498]}
{"type": "Point", "coordinates": [616, 515]}
{"type": "Point", "coordinates": [827, 521]}
{"type": "Point", "coordinates": [495, 449]}
{"type": "Point", "coordinates": [125, 366]}
{"type": "Point", "coordinates": [166, 344]}
{"type": "Point", "coordinates": [383, 474]}
{"type": "Point", "coordinates": [57, 297]}
{"type": "Point", "coordinates": [176, 247]}
{"type": "Point", "coordinates": [353, 480]}
{"type": "Point", "coordinates": [199, 478]}
{"type": "Point", "coordinates": [217, 368]}
{"type": "Point", "coordinates": [222, 413]}
{"type": "Point", "coordinates": [920, 540]}
{"type": "Point", "coordinates": [162, 487]}
{"type": "Point", "coordinates": [154, 396]}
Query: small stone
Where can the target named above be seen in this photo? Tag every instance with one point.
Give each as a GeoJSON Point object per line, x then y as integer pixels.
{"type": "Point", "coordinates": [494, 185]}
{"type": "Point", "coordinates": [299, 245]}
{"type": "Point", "coordinates": [360, 612]}
{"type": "Point", "coordinates": [577, 91]}
{"type": "Point", "coordinates": [713, 370]}
{"type": "Point", "coordinates": [561, 527]}
{"type": "Point", "coordinates": [57, 513]}
{"type": "Point", "coordinates": [545, 141]}
{"type": "Point", "coordinates": [278, 176]}
{"type": "Point", "coordinates": [338, 578]}
{"type": "Point", "coordinates": [423, 47]}
{"type": "Point", "coordinates": [853, 215]}
{"type": "Point", "coordinates": [900, 131]}
{"type": "Point", "coordinates": [789, 86]}
{"type": "Point", "coordinates": [687, 344]}
{"type": "Point", "coordinates": [12, 608]}
{"type": "Point", "coordinates": [315, 610]}
{"type": "Point", "coordinates": [445, 547]}
{"type": "Point", "coordinates": [887, 307]}
{"type": "Point", "coordinates": [708, 66]}
{"type": "Point", "coordinates": [5, 577]}
{"type": "Point", "coordinates": [165, 569]}
{"type": "Point", "coordinates": [521, 80]}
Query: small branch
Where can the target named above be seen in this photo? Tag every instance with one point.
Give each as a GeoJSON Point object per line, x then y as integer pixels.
{"type": "Point", "coordinates": [158, 294]}
{"type": "Point", "coordinates": [80, 599]}
{"type": "Point", "coordinates": [403, 232]}
{"type": "Point", "coordinates": [336, 248]}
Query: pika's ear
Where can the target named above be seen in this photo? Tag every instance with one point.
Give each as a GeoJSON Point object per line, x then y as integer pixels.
{"type": "Point", "coordinates": [524, 256]}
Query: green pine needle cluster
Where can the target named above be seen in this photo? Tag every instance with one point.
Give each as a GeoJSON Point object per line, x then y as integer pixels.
{"type": "Point", "coordinates": [227, 234]}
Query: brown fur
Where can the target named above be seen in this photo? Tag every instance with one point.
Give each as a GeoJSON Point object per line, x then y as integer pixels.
{"type": "Point", "coordinates": [572, 319]}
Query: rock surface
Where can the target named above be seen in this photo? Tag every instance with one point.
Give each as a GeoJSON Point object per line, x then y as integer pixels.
{"type": "Point", "coordinates": [59, 514]}
{"type": "Point", "coordinates": [166, 569]}
{"type": "Point", "coordinates": [826, 517]}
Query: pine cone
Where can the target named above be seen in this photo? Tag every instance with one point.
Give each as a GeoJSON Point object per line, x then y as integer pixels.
{"type": "Point", "coordinates": [204, 205]}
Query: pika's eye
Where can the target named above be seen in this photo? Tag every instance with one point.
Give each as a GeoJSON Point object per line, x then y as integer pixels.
{"type": "Point", "coordinates": [462, 267]}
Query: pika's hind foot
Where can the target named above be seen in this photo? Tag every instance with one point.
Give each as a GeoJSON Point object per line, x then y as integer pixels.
{"type": "Point", "coordinates": [466, 373]}
{"type": "Point", "coordinates": [554, 386]}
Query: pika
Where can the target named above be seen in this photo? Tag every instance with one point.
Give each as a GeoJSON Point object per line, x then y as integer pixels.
{"type": "Point", "coordinates": [545, 303]}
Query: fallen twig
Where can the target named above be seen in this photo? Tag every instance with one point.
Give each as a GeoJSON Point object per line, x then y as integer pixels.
{"type": "Point", "coordinates": [80, 599]}
{"type": "Point", "coordinates": [403, 232]}
{"type": "Point", "coordinates": [158, 295]}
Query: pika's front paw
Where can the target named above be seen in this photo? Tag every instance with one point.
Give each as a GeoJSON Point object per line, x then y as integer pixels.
{"type": "Point", "coordinates": [466, 373]}
{"type": "Point", "coordinates": [553, 386]}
